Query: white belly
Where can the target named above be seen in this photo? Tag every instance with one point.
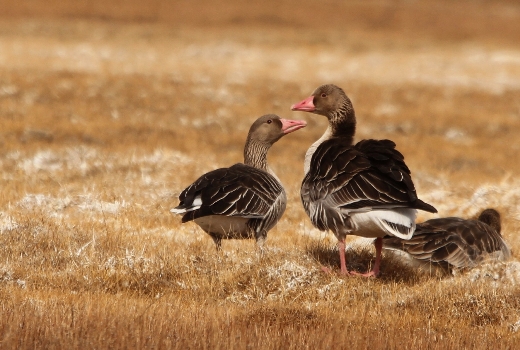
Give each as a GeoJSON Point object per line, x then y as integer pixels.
{"type": "Point", "coordinates": [223, 225]}
{"type": "Point", "coordinates": [378, 223]}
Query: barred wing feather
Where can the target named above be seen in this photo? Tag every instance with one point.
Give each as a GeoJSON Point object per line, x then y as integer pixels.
{"type": "Point", "coordinates": [370, 175]}
{"type": "Point", "coordinates": [452, 241]}
{"type": "Point", "coordinates": [240, 190]}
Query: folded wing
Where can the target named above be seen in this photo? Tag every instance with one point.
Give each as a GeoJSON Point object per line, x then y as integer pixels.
{"type": "Point", "coordinates": [452, 241]}
{"type": "Point", "coordinates": [241, 191]}
{"type": "Point", "coordinates": [370, 175]}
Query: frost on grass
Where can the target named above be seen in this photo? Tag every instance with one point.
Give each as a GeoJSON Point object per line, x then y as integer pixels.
{"type": "Point", "coordinates": [81, 159]}
{"type": "Point", "coordinates": [7, 222]}
{"type": "Point", "coordinates": [505, 194]}
{"type": "Point", "coordinates": [160, 156]}
{"type": "Point", "coordinates": [331, 290]}
{"type": "Point", "coordinates": [457, 136]}
{"type": "Point", "coordinates": [8, 90]}
{"type": "Point", "coordinates": [91, 204]}
{"type": "Point", "coordinates": [155, 171]}
{"type": "Point", "coordinates": [291, 276]}
{"type": "Point", "coordinates": [55, 207]}
{"type": "Point", "coordinates": [288, 278]}
{"type": "Point", "coordinates": [43, 160]}
{"type": "Point", "coordinates": [515, 326]}
{"type": "Point", "coordinates": [386, 109]}
{"type": "Point", "coordinates": [452, 200]}
{"type": "Point", "coordinates": [133, 261]}
{"type": "Point", "coordinates": [496, 274]}
{"type": "Point", "coordinates": [7, 276]}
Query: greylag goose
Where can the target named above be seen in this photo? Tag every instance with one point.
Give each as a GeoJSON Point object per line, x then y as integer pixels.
{"type": "Point", "coordinates": [244, 200]}
{"type": "Point", "coordinates": [454, 242]}
{"type": "Point", "coordinates": [362, 189]}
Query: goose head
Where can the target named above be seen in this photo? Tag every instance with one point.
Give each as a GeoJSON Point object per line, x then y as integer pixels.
{"type": "Point", "coordinates": [328, 100]}
{"type": "Point", "coordinates": [270, 128]}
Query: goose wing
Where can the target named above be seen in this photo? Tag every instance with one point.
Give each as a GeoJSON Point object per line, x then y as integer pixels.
{"type": "Point", "coordinates": [454, 241]}
{"type": "Point", "coordinates": [371, 174]}
{"type": "Point", "coordinates": [240, 190]}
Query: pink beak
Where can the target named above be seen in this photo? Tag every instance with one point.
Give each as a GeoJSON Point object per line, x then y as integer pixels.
{"type": "Point", "coordinates": [289, 125]}
{"type": "Point", "coordinates": [306, 105]}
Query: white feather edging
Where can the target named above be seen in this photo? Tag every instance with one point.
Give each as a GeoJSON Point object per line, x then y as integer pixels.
{"type": "Point", "coordinates": [378, 223]}
{"type": "Point", "coordinates": [197, 202]}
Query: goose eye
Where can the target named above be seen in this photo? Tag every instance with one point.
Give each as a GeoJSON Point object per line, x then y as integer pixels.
{"type": "Point", "coordinates": [323, 95]}
{"type": "Point", "coordinates": [269, 121]}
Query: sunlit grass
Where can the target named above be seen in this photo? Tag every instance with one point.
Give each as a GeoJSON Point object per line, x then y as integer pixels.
{"type": "Point", "coordinates": [98, 140]}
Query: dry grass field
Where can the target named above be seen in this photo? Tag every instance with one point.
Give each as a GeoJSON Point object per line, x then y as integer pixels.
{"type": "Point", "coordinates": [108, 109]}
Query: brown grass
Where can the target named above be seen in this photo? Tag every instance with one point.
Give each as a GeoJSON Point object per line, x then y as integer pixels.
{"type": "Point", "coordinates": [107, 117]}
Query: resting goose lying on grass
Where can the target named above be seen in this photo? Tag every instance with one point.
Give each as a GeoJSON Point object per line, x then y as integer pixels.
{"type": "Point", "coordinates": [454, 242]}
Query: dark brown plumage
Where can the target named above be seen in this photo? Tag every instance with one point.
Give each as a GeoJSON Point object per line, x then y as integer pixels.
{"type": "Point", "coordinates": [244, 200]}
{"type": "Point", "coordinates": [454, 242]}
{"type": "Point", "coordinates": [363, 189]}
{"type": "Point", "coordinates": [369, 175]}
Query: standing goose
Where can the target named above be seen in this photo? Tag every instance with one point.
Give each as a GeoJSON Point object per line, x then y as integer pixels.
{"type": "Point", "coordinates": [363, 189]}
{"type": "Point", "coordinates": [454, 242]}
{"type": "Point", "coordinates": [244, 200]}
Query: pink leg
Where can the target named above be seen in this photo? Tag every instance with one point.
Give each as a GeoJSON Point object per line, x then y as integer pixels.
{"type": "Point", "coordinates": [378, 243]}
{"type": "Point", "coordinates": [343, 261]}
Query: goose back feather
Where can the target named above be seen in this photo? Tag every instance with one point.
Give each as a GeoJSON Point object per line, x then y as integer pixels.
{"type": "Point", "coordinates": [455, 242]}
{"type": "Point", "coordinates": [369, 176]}
{"type": "Point", "coordinates": [238, 191]}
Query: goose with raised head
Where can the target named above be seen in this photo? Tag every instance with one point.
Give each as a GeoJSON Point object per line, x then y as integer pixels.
{"type": "Point", "coordinates": [362, 189]}
{"type": "Point", "coordinates": [454, 242]}
{"type": "Point", "coordinates": [245, 200]}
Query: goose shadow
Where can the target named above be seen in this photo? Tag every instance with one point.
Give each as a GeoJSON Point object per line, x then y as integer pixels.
{"type": "Point", "coordinates": [394, 268]}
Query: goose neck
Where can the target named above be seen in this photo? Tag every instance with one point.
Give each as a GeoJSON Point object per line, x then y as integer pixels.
{"type": "Point", "coordinates": [343, 124]}
{"type": "Point", "coordinates": [255, 154]}
{"type": "Point", "coordinates": [308, 155]}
